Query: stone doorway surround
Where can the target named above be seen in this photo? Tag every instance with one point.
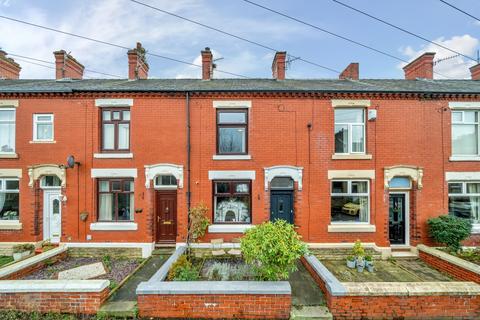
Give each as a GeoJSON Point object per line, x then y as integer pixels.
{"type": "Point", "coordinates": [413, 172]}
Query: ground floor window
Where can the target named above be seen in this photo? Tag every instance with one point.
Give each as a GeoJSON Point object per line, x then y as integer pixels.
{"type": "Point", "coordinates": [350, 201]}
{"type": "Point", "coordinates": [464, 200]}
{"type": "Point", "coordinates": [115, 199]}
{"type": "Point", "coordinates": [9, 199]}
{"type": "Point", "coordinates": [232, 202]}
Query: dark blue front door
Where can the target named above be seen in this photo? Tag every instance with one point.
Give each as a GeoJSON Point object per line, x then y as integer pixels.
{"type": "Point", "coordinates": [281, 206]}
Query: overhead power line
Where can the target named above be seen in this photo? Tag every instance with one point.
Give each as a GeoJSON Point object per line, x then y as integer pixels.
{"type": "Point", "coordinates": [232, 35]}
{"type": "Point", "coordinates": [50, 62]}
{"type": "Point", "coordinates": [113, 44]}
{"type": "Point", "coordinates": [460, 10]}
{"type": "Point", "coordinates": [332, 33]}
{"type": "Point", "coordinates": [402, 29]}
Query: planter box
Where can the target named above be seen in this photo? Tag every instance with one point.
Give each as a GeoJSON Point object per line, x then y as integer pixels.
{"type": "Point", "coordinates": [392, 300]}
{"type": "Point", "coordinates": [212, 299]}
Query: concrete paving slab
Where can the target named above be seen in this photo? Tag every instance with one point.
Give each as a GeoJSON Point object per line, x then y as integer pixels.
{"type": "Point", "coordinates": [305, 291]}
{"type": "Point", "coordinates": [85, 272]}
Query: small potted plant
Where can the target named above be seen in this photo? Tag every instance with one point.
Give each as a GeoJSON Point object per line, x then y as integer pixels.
{"type": "Point", "coordinates": [28, 248]}
{"type": "Point", "coordinates": [359, 253]}
{"type": "Point", "coordinates": [17, 252]}
{"type": "Point", "coordinates": [351, 262]}
{"type": "Point", "coordinates": [360, 263]}
{"type": "Point", "coordinates": [369, 263]}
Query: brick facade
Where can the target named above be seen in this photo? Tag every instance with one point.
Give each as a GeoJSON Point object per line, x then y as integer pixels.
{"type": "Point", "coordinates": [56, 302]}
{"type": "Point", "coordinates": [228, 306]}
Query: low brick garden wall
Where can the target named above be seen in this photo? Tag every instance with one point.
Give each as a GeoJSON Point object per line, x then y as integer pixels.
{"type": "Point", "coordinates": [61, 296]}
{"type": "Point", "coordinates": [442, 261]}
{"type": "Point", "coordinates": [395, 300]}
{"type": "Point", "coordinates": [212, 299]}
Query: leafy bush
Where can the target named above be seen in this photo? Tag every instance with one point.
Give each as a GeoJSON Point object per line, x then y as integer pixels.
{"type": "Point", "coordinates": [450, 230]}
{"type": "Point", "coordinates": [273, 249]}
{"type": "Point", "coordinates": [182, 270]}
{"type": "Point", "coordinates": [198, 222]}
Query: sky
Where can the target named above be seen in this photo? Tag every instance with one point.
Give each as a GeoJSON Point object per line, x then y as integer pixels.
{"type": "Point", "coordinates": [124, 22]}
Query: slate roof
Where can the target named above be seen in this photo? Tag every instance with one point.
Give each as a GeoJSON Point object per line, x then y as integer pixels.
{"type": "Point", "coordinates": [241, 85]}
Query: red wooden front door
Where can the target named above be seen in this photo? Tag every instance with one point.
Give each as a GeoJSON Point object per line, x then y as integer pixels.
{"type": "Point", "coordinates": [166, 216]}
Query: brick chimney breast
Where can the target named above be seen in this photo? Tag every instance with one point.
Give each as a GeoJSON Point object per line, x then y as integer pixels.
{"type": "Point", "coordinates": [475, 71]}
{"type": "Point", "coordinates": [207, 64]}
{"type": "Point", "coordinates": [279, 65]}
{"type": "Point", "coordinates": [9, 69]}
{"type": "Point", "coordinates": [137, 63]}
{"type": "Point", "coordinates": [421, 67]}
{"type": "Point", "coordinates": [351, 72]}
{"type": "Point", "coordinates": [67, 67]}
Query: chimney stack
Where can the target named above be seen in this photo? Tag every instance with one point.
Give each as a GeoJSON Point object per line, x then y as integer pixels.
{"type": "Point", "coordinates": [66, 66]}
{"type": "Point", "coordinates": [278, 65]}
{"type": "Point", "coordinates": [422, 67]}
{"type": "Point", "coordinates": [351, 72]}
{"type": "Point", "coordinates": [137, 63]}
{"type": "Point", "coordinates": [207, 64]}
{"type": "Point", "coordinates": [475, 71]}
{"type": "Point", "coordinates": [9, 69]}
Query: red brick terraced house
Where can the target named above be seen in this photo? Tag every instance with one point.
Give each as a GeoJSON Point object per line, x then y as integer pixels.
{"type": "Point", "coordinates": [342, 159]}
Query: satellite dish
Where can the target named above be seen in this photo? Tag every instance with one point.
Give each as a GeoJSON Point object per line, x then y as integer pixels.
{"type": "Point", "coordinates": [71, 161]}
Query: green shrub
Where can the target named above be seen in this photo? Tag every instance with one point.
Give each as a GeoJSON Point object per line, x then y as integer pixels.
{"type": "Point", "coordinates": [449, 230]}
{"type": "Point", "coordinates": [182, 270]}
{"type": "Point", "coordinates": [28, 247]}
{"type": "Point", "coordinates": [198, 222]}
{"type": "Point", "coordinates": [273, 249]}
{"type": "Point", "coordinates": [18, 248]}
{"type": "Point", "coordinates": [358, 251]}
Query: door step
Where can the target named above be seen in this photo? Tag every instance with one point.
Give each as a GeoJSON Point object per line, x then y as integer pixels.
{"type": "Point", "coordinates": [404, 252]}
{"type": "Point", "coordinates": [310, 312]}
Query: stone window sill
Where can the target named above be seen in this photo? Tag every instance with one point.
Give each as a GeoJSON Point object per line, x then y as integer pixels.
{"type": "Point", "coordinates": [228, 228]}
{"type": "Point", "coordinates": [10, 225]}
{"type": "Point", "coordinates": [113, 155]}
{"type": "Point", "coordinates": [41, 142]}
{"type": "Point", "coordinates": [8, 156]}
{"type": "Point", "coordinates": [464, 158]}
{"type": "Point", "coordinates": [351, 157]}
{"type": "Point", "coordinates": [113, 226]}
{"type": "Point", "coordinates": [351, 227]}
{"type": "Point", "coordinates": [232, 157]}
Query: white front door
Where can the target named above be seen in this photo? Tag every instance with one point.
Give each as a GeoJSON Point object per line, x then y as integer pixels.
{"type": "Point", "coordinates": [52, 215]}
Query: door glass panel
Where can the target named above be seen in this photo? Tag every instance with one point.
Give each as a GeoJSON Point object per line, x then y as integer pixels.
{"type": "Point", "coordinates": [280, 205]}
{"type": "Point", "coordinates": [56, 206]}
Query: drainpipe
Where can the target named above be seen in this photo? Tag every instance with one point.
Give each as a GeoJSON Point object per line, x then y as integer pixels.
{"type": "Point", "coordinates": [187, 111]}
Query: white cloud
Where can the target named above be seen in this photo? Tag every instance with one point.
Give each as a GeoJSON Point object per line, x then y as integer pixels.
{"type": "Point", "coordinates": [5, 3]}
{"type": "Point", "coordinates": [449, 63]}
{"type": "Point", "coordinates": [476, 22]}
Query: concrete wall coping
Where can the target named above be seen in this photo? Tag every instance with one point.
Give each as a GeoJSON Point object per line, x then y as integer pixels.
{"type": "Point", "coordinates": [470, 266]}
{"type": "Point", "coordinates": [334, 286]}
{"type": "Point", "coordinates": [215, 287]}
{"type": "Point", "coordinates": [411, 288]}
{"type": "Point", "coordinates": [161, 274]}
{"type": "Point", "coordinates": [30, 286]}
{"type": "Point", "coordinates": [31, 261]}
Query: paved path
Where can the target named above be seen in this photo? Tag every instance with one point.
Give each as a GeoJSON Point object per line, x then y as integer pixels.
{"type": "Point", "coordinates": [305, 292]}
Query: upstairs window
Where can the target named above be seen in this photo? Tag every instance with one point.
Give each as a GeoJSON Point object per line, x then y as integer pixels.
{"type": "Point", "coordinates": [115, 129]}
{"type": "Point", "coordinates": [9, 199]}
{"type": "Point", "coordinates": [465, 133]}
{"type": "Point", "coordinates": [43, 127]}
{"type": "Point", "coordinates": [349, 130]}
{"type": "Point", "coordinates": [231, 201]}
{"type": "Point", "coordinates": [7, 130]}
{"type": "Point", "coordinates": [115, 200]}
{"type": "Point", "coordinates": [232, 131]}
{"type": "Point", "coordinates": [350, 201]}
{"type": "Point", "coordinates": [464, 200]}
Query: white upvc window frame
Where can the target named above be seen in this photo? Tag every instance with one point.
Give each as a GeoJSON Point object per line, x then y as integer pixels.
{"type": "Point", "coordinates": [14, 129]}
{"type": "Point", "coordinates": [462, 122]}
{"type": "Point", "coordinates": [475, 225]}
{"type": "Point", "coordinates": [36, 121]}
{"type": "Point", "coordinates": [350, 126]}
{"type": "Point", "coordinates": [3, 189]}
{"type": "Point", "coordinates": [350, 194]}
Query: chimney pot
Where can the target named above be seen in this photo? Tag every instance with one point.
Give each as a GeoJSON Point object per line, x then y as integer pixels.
{"type": "Point", "coordinates": [137, 63]}
{"type": "Point", "coordinates": [9, 69]}
{"type": "Point", "coordinates": [207, 64]}
{"type": "Point", "coordinates": [66, 66]}
{"type": "Point", "coordinates": [421, 67]}
{"type": "Point", "coordinates": [475, 71]}
{"type": "Point", "coordinates": [350, 72]}
{"type": "Point", "coordinates": [279, 65]}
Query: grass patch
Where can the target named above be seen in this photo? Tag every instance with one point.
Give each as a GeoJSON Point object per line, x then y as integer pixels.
{"type": "Point", "coordinates": [5, 260]}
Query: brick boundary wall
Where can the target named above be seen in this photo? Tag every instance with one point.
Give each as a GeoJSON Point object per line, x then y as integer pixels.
{"type": "Point", "coordinates": [59, 302]}
{"type": "Point", "coordinates": [450, 268]}
{"type": "Point", "coordinates": [215, 306]}
{"type": "Point", "coordinates": [397, 306]}
{"type": "Point", "coordinates": [35, 267]}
